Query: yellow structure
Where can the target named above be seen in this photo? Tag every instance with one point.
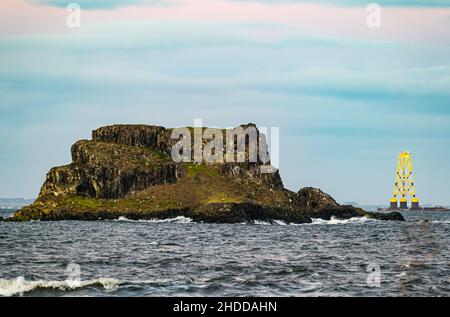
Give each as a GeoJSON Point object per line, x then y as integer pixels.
{"type": "Point", "coordinates": [404, 183]}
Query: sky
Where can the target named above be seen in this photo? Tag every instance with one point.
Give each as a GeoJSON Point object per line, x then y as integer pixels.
{"type": "Point", "coordinates": [347, 98]}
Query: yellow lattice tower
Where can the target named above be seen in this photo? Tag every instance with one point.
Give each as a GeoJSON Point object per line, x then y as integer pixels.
{"type": "Point", "coordinates": [404, 183]}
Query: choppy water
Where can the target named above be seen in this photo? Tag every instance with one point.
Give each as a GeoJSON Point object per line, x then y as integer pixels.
{"type": "Point", "coordinates": [133, 258]}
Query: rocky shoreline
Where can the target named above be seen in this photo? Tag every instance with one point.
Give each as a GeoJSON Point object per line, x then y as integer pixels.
{"type": "Point", "coordinates": [127, 171]}
{"type": "Point", "coordinates": [218, 213]}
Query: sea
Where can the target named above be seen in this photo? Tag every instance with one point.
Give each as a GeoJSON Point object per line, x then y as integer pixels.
{"type": "Point", "coordinates": [177, 257]}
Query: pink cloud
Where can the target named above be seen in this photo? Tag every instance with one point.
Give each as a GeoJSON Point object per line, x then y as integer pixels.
{"type": "Point", "coordinates": [422, 25]}
{"type": "Point", "coordinates": [18, 17]}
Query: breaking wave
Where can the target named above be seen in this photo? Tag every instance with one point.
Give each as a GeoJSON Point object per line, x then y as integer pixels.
{"type": "Point", "coordinates": [273, 222]}
{"type": "Point", "coordinates": [441, 221]}
{"type": "Point", "coordinates": [179, 219]}
{"type": "Point", "coordinates": [269, 223]}
{"type": "Point", "coordinates": [337, 221]}
{"type": "Point", "coordinates": [19, 285]}
{"type": "Point", "coordinates": [315, 221]}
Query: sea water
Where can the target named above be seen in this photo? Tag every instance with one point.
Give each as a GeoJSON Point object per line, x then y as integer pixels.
{"type": "Point", "coordinates": [177, 257]}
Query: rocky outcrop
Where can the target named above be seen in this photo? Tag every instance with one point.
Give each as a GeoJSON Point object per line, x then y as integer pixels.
{"type": "Point", "coordinates": [110, 171]}
{"type": "Point", "coordinates": [246, 212]}
{"type": "Point", "coordinates": [386, 216]}
{"type": "Point", "coordinates": [127, 170]}
{"type": "Point", "coordinates": [314, 199]}
{"type": "Point", "coordinates": [243, 172]}
{"type": "Point", "coordinates": [340, 212]}
{"type": "Point", "coordinates": [154, 137]}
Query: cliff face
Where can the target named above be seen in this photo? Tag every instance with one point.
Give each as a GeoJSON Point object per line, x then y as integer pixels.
{"type": "Point", "coordinates": [127, 170]}
{"type": "Point", "coordinates": [110, 170]}
{"type": "Point", "coordinates": [153, 137]}
{"type": "Point", "coordinates": [123, 159]}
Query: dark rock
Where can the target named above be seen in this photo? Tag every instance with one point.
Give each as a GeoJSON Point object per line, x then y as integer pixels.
{"type": "Point", "coordinates": [102, 170]}
{"type": "Point", "coordinates": [347, 212]}
{"type": "Point", "coordinates": [245, 212]}
{"type": "Point", "coordinates": [252, 171]}
{"type": "Point", "coordinates": [155, 137]}
{"type": "Point", "coordinates": [340, 212]}
{"type": "Point", "coordinates": [386, 216]}
{"type": "Point", "coordinates": [313, 199]}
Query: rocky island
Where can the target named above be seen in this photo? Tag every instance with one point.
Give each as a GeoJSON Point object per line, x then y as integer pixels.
{"type": "Point", "coordinates": [128, 171]}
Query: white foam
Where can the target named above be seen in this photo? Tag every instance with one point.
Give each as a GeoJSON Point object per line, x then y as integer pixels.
{"type": "Point", "coordinates": [179, 219]}
{"type": "Point", "coordinates": [261, 223]}
{"type": "Point", "coordinates": [441, 221]}
{"type": "Point", "coordinates": [315, 221]}
{"type": "Point", "coordinates": [18, 285]}
{"type": "Point", "coordinates": [267, 223]}
{"type": "Point", "coordinates": [337, 221]}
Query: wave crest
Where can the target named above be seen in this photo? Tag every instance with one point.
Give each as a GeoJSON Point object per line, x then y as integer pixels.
{"type": "Point", "coordinates": [179, 219]}
{"type": "Point", "coordinates": [441, 221]}
{"type": "Point", "coordinates": [315, 221]}
{"type": "Point", "coordinates": [337, 221]}
{"type": "Point", "coordinates": [19, 285]}
{"type": "Point", "coordinates": [275, 222]}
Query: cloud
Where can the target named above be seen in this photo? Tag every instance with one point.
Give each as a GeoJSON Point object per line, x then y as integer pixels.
{"type": "Point", "coordinates": [111, 4]}
{"type": "Point", "coordinates": [126, 59]}
{"type": "Point", "coordinates": [32, 95]}
{"type": "Point", "coordinates": [361, 3]}
{"type": "Point", "coordinates": [101, 4]}
{"type": "Point", "coordinates": [355, 102]}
